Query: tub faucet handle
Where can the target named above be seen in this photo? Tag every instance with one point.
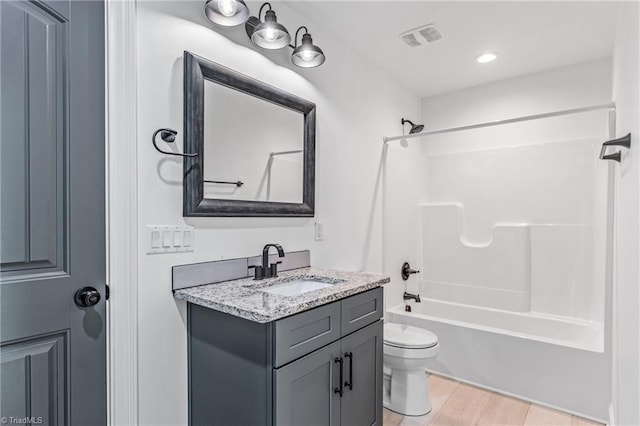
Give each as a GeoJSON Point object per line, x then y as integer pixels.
{"type": "Point", "coordinates": [406, 271]}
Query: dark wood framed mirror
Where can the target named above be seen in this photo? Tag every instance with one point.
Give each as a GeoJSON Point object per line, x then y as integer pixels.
{"type": "Point", "coordinates": [254, 145]}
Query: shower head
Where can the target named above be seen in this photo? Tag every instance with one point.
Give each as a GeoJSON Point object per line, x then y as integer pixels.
{"type": "Point", "coordinates": [415, 128]}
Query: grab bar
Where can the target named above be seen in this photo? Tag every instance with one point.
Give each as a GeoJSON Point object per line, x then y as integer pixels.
{"type": "Point", "coordinates": [624, 142]}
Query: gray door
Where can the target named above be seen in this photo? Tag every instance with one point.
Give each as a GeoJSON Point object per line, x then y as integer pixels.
{"type": "Point", "coordinates": [53, 352]}
{"type": "Point", "coordinates": [362, 402]}
{"type": "Point", "coordinates": [305, 390]}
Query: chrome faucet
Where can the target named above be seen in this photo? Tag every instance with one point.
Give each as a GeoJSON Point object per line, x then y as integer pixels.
{"type": "Point", "coordinates": [407, 296]}
{"type": "Point", "coordinates": [268, 270]}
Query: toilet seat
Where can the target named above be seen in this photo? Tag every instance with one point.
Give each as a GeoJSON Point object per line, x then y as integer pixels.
{"type": "Point", "coordinates": [408, 337]}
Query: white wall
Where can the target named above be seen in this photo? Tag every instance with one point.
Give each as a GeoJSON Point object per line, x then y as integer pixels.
{"type": "Point", "coordinates": [564, 88]}
{"type": "Point", "coordinates": [526, 376]}
{"type": "Point", "coordinates": [356, 106]}
{"type": "Point", "coordinates": [626, 309]}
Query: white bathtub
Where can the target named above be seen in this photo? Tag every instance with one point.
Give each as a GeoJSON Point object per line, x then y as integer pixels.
{"type": "Point", "coordinates": [557, 330]}
{"type": "Point", "coordinates": [553, 361]}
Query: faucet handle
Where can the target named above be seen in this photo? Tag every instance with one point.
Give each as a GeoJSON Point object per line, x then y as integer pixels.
{"type": "Point", "coordinates": [259, 272]}
{"type": "Point", "coordinates": [406, 271]}
{"type": "Point", "coordinates": [273, 269]}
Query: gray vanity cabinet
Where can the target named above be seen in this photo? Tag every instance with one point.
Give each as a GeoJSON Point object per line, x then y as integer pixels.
{"type": "Point", "coordinates": [318, 367]}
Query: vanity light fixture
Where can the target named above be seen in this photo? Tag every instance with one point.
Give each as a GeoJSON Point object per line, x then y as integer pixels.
{"type": "Point", "coordinates": [272, 35]}
{"type": "Point", "coordinates": [268, 34]}
{"type": "Point", "coordinates": [227, 13]}
{"type": "Point", "coordinates": [307, 54]}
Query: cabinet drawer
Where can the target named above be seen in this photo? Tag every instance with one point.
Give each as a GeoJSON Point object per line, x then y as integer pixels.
{"type": "Point", "coordinates": [305, 332]}
{"type": "Point", "coordinates": [361, 310]}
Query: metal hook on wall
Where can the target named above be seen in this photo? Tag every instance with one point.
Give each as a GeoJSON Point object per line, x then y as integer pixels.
{"type": "Point", "coordinates": [168, 136]}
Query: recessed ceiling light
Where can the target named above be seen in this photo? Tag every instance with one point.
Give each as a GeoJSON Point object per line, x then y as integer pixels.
{"type": "Point", "coordinates": [486, 57]}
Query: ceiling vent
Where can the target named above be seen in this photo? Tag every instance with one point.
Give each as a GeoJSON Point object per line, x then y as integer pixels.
{"type": "Point", "coordinates": [422, 35]}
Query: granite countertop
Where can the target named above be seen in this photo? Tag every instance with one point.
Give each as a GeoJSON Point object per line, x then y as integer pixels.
{"type": "Point", "coordinates": [245, 297]}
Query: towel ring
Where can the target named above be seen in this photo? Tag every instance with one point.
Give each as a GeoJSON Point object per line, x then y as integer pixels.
{"type": "Point", "coordinates": [168, 136]}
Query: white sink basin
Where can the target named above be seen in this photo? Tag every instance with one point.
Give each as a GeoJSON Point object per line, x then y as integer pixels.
{"type": "Point", "coordinates": [296, 287]}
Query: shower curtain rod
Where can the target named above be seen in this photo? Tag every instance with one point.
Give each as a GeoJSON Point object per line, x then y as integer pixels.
{"type": "Point", "coordinates": [295, 151]}
{"type": "Point", "coordinates": [610, 105]}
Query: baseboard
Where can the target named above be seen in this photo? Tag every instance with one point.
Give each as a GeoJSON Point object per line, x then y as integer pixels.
{"type": "Point", "coordinates": [520, 397]}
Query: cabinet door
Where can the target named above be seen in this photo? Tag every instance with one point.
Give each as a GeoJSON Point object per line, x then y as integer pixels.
{"type": "Point", "coordinates": [305, 390]}
{"type": "Point", "coordinates": [362, 353]}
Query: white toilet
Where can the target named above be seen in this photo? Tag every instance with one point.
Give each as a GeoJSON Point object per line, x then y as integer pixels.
{"type": "Point", "coordinates": [407, 350]}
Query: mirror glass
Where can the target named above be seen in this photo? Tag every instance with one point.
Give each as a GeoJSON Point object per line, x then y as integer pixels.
{"type": "Point", "coordinates": [253, 148]}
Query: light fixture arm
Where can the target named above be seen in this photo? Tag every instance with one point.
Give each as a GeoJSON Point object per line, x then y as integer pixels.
{"type": "Point", "coordinates": [260, 11]}
{"type": "Point", "coordinates": [295, 39]}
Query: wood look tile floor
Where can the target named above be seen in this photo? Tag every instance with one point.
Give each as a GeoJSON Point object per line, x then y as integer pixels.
{"type": "Point", "coordinates": [457, 404]}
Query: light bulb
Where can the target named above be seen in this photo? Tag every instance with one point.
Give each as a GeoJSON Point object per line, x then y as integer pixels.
{"type": "Point", "coordinates": [307, 55]}
{"type": "Point", "coordinates": [228, 7]}
{"type": "Point", "coordinates": [270, 34]}
{"type": "Point", "coordinates": [485, 58]}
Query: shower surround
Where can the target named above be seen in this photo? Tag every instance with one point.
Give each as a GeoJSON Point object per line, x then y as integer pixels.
{"type": "Point", "coordinates": [518, 229]}
{"type": "Point", "coordinates": [509, 227]}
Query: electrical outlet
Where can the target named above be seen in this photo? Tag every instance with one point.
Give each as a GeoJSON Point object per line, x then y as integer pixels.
{"type": "Point", "coordinates": [319, 231]}
{"type": "Point", "coordinates": [169, 238]}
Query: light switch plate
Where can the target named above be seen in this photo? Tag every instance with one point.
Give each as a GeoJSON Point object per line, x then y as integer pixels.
{"type": "Point", "coordinates": [319, 231]}
{"type": "Point", "coordinates": [169, 239]}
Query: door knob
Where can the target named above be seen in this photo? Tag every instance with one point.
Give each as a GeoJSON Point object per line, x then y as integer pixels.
{"type": "Point", "coordinates": [86, 297]}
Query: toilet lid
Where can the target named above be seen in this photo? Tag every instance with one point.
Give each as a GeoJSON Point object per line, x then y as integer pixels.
{"type": "Point", "coordinates": [408, 336]}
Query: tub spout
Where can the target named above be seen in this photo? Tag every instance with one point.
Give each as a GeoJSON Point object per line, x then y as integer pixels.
{"type": "Point", "coordinates": [407, 296]}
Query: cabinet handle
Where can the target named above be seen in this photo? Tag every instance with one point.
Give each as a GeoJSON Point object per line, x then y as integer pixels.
{"type": "Point", "coordinates": [339, 390]}
{"type": "Point", "coordinates": [349, 384]}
